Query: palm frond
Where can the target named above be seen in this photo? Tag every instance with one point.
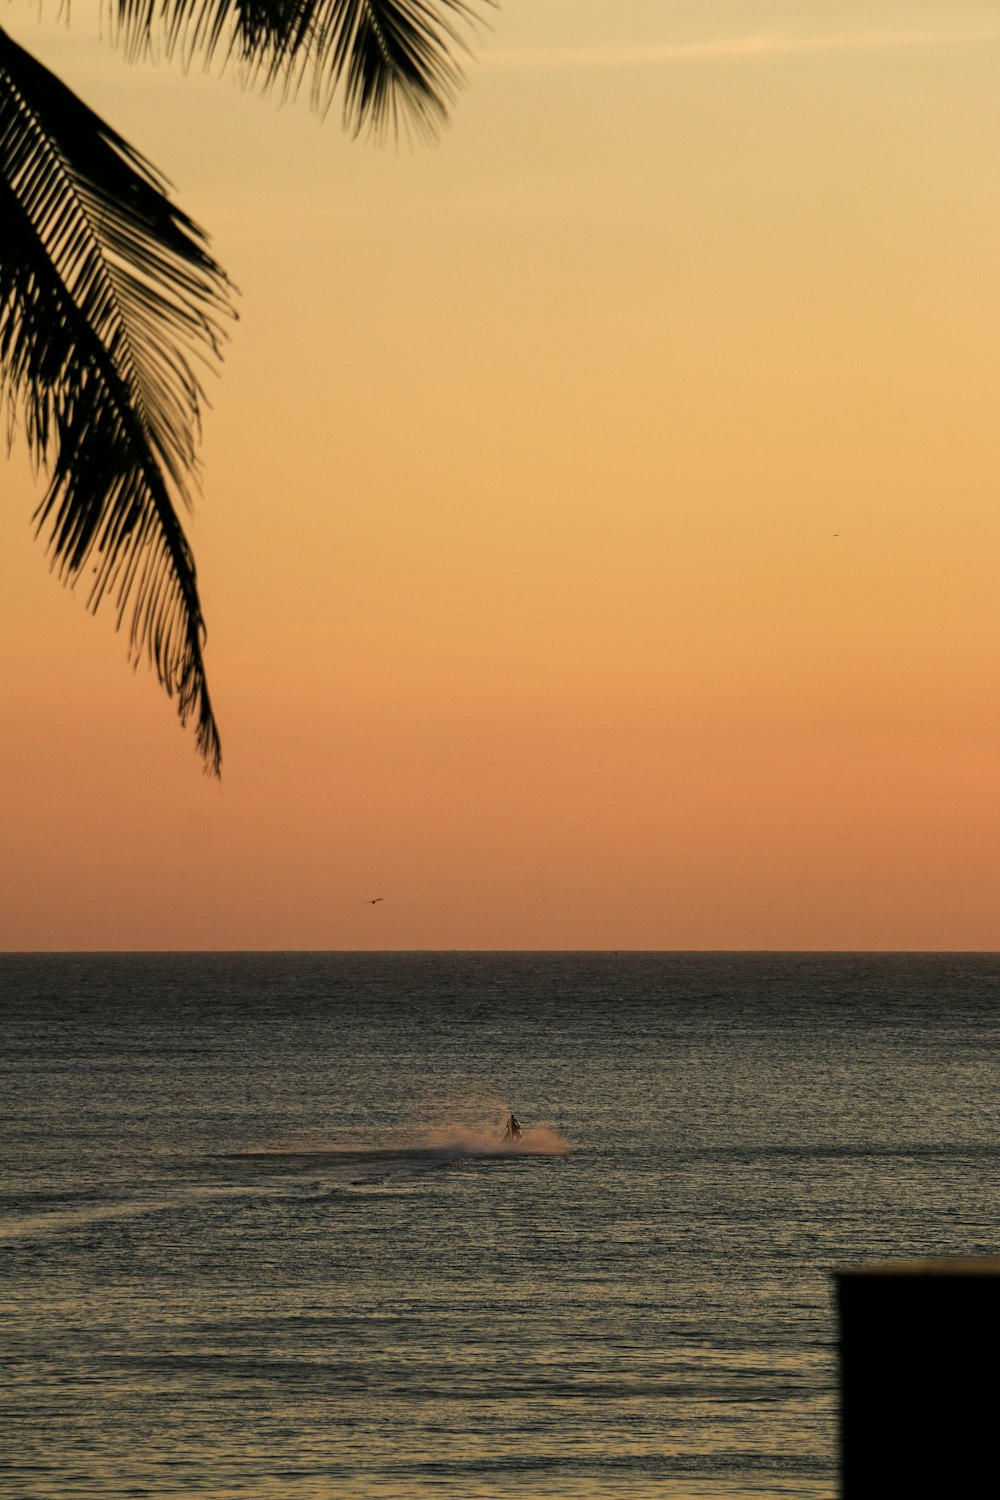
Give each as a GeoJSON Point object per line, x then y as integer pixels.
{"type": "Point", "coordinates": [107, 294]}
{"type": "Point", "coordinates": [395, 59]}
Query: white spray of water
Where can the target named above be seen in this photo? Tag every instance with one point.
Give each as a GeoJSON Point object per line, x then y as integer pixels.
{"type": "Point", "coordinates": [472, 1122]}
{"type": "Point", "coordinates": [538, 1140]}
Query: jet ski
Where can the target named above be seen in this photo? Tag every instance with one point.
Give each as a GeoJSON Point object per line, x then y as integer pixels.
{"type": "Point", "coordinates": [513, 1130]}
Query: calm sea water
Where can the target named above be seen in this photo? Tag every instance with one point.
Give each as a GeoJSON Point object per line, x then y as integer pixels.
{"type": "Point", "coordinates": [259, 1239]}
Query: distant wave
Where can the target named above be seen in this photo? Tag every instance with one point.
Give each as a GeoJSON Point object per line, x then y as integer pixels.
{"type": "Point", "coordinates": [66, 1220]}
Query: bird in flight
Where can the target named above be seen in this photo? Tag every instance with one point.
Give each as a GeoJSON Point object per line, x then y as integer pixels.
{"type": "Point", "coordinates": [374, 899]}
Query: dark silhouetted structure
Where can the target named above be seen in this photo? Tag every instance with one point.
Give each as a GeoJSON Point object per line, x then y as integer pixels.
{"type": "Point", "coordinates": [918, 1342]}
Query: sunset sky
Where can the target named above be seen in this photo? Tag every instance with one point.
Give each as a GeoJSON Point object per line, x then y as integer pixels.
{"type": "Point", "coordinates": [599, 534]}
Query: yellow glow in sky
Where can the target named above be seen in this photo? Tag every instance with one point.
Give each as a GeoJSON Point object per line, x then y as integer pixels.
{"type": "Point", "coordinates": [599, 529]}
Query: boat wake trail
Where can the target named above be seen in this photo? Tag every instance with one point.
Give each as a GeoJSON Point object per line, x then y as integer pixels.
{"type": "Point", "coordinates": [469, 1123]}
{"type": "Point", "coordinates": [442, 1142]}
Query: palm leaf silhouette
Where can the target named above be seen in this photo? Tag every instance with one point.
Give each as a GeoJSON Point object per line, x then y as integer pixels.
{"type": "Point", "coordinates": [108, 294]}
{"type": "Point", "coordinates": [394, 57]}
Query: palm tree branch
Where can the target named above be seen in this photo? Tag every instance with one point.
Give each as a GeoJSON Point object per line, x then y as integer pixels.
{"type": "Point", "coordinates": [394, 58]}
{"type": "Point", "coordinates": [106, 293]}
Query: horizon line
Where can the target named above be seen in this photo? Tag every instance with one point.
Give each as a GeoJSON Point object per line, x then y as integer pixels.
{"type": "Point", "coordinates": [381, 952]}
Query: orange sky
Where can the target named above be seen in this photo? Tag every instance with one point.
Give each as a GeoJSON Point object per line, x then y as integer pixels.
{"type": "Point", "coordinates": [599, 531]}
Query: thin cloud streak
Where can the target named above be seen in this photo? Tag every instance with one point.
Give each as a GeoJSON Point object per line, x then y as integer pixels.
{"type": "Point", "coordinates": [739, 47]}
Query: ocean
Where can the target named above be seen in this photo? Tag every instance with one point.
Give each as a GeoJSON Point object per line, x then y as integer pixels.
{"type": "Point", "coordinates": [260, 1236]}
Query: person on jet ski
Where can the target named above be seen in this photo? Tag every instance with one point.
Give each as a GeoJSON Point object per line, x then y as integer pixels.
{"type": "Point", "coordinates": [513, 1131]}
